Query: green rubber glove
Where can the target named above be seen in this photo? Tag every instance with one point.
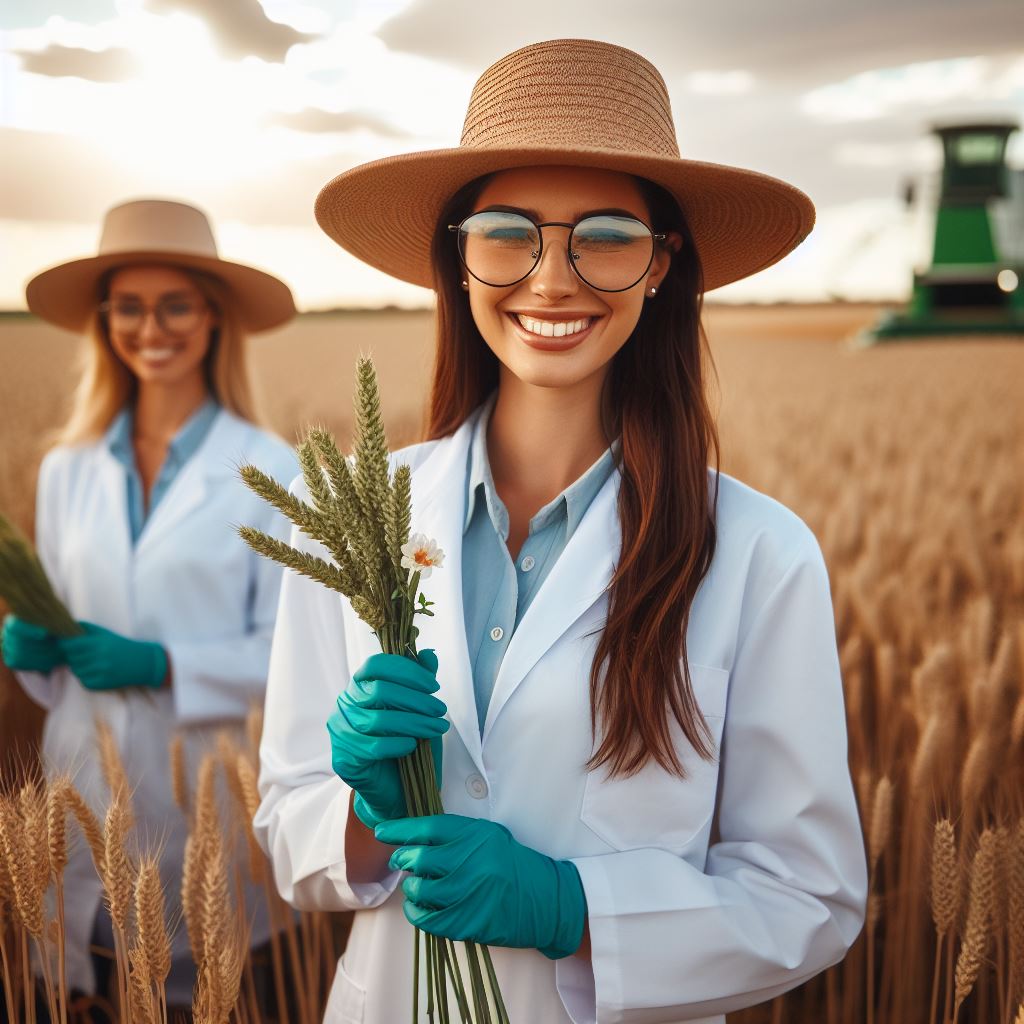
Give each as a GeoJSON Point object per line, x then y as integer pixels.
{"type": "Point", "coordinates": [469, 880]}
{"type": "Point", "coordinates": [28, 647]}
{"type": "Point", "coordinates": [104, 660]}
{"type": "Point", "coordinates": [382, 714]}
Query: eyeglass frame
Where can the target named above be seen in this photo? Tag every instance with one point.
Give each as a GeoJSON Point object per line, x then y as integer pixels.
{"type": "Point", "coordinates": [655, 237]}
{"type": "Point", "coordinates": [104, 309]}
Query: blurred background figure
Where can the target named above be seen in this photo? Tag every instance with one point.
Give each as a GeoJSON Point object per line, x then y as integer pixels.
{"type": "Point", "coordinates": [134, 514]}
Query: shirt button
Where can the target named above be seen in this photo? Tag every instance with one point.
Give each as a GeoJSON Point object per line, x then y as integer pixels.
{"type": "Point", "coordinates": [497, 633]}
{"type": "Point", "coordinates": [476, 786]}
{"type": "Point", "coordinates": [527, 563]}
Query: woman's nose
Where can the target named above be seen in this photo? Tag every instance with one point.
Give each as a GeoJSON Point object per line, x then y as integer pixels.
{"type": "Point", "coordinates": [553, 277]}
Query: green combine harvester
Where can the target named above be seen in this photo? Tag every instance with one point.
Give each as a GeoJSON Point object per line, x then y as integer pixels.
{"type": "Point", "coordinates": [975, 284]}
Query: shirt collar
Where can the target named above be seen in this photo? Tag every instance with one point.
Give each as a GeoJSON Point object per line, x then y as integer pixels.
{"type": "Point", "coordinates": [573, 502]}
{"type": "Point", "coordinates": [183, 445]}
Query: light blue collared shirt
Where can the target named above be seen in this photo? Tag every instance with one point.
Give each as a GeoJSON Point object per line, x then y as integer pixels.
{"type": "Point", "coordinates": [183, 446]}
{"type": "Point", "coordinates": [496, 592]}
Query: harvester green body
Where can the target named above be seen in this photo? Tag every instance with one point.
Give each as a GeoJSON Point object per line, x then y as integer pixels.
{"type": "Point", "coordinates": [975, 284]}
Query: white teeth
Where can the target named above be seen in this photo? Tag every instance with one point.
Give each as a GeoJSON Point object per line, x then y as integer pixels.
{"type": "Point", "coordinates": [553, 328]}
{"type": "Point", "coordinates": [157, 353]}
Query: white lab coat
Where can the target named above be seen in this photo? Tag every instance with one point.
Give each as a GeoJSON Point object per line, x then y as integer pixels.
{"type": "Point", "coordinates": [703, 895]}
{"type": "Point", "coordinates": [190, 583]}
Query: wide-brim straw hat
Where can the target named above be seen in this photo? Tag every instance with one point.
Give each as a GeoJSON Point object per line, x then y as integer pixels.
{"type": "Point", "coordinates": [565, 101]}
{"type": "Point", "coordinates": [157, 231]}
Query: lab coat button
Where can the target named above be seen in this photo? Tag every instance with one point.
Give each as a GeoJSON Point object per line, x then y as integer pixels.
{"type": "Point", "coordinates": [476, 786]}
{"type": "Point", "coordinates": [497, 633]}
{"type": "Point", "coordinates": [527, 563]}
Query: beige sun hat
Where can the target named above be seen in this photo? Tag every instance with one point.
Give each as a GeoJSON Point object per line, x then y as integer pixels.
{"type": "Point", "coordinates": [158, 231]}
{"type": "Point", "coordinates": [565, 101]}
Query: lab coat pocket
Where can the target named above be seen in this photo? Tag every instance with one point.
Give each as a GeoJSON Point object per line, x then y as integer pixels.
{"type": "Point", "coordinates": [656, 808]}
{"type": "Point", "coordinates": [347, 1002]}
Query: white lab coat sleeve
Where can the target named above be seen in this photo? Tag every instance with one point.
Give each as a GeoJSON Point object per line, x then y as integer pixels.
{"type": "Point", "coordinates": [783, 892]}
{"type": "Point", "coordinates": [45, 688]}
{"type": "Point", "coordinates": [303, 812]}
{"type": "Point", "coordinates": [224, 676]}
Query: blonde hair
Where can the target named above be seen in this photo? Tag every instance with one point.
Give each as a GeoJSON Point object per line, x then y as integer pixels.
{"type": "Point", "coordinates": [107, 385]}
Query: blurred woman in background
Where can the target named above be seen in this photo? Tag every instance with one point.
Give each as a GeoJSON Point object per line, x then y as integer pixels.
{"type": "Point", "coordinates": [135, 509]}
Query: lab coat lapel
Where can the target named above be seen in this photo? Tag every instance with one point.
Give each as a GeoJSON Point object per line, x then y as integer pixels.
{"type": "Point", "coordinates": [104, 518]}
{"type": "Point", "coordinates": [438, 510]}
{"type": "Point", "coordinates": [579, 576]}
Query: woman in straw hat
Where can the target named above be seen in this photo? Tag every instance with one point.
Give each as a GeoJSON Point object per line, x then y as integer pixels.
{"type": "Point", "coordinates": [649, 811]}
{"type": "Point", "coordinates": [135, 507]}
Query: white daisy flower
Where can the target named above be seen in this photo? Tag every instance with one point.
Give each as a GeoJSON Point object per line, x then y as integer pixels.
{"type": "Point", "coordinates": [421, 554]}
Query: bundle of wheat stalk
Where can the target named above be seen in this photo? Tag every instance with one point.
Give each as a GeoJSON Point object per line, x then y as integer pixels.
{"type": "Point", "coordinates": [24, 585]}
{"type": "Point", "coordinates": [304, 948]}
{"type": "Point", "coordinates": [363, 520]}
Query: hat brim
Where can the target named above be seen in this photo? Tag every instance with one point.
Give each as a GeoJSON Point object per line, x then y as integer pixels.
{"type": "Point", "coordinates": [385, 212]}
{"type": "Point", "coordinates": [66, 295]}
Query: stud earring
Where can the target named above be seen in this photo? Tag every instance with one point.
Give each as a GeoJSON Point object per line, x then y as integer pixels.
{"type": "Point", "coordinates": [654, 291]}
{"type": "Point", "coordinates": [465, 284]}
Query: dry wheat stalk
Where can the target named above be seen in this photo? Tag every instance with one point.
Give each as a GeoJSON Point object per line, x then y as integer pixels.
{"type": "Point", "coordinates": [881, 820]}
{"type": "Point", "coordinates": [112, 766]}
{"type": "Point", "coordinates": [154, 940]}
{"type": "Point", "coordinates": [119, 873]}
{"type": "Point", "coordinates": [945, 884]}
{"type": "Point", "coordinates": [1015, 912]}
{"type": "Point", "coordinates": [179, 775]}
{"type": "Point", "coordinates": [90, 826]}
{"type": "Point", "coordinates": [250, 803]}
{"type": "Point", "coordinates": [979, 918]}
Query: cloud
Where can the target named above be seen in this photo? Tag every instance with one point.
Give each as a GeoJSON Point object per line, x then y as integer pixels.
{"type": "Point", "coordinates": [114, 64]}
{"type": "Point", "coordinates": [314, 119]}
{"type": "Point", "coordinates": [801, 40]}
{"type": "Point", "coordinates": [241, 27]}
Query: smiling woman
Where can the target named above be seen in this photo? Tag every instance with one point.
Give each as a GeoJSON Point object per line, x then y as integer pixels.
{"type": "Point", "coordinates": [133, 526]}
{"type": "Point", "coordinates": [649, 814]}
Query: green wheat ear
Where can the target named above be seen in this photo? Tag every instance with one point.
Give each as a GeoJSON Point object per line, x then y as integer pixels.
{"type": "Point", "coordinates": [25, 587]}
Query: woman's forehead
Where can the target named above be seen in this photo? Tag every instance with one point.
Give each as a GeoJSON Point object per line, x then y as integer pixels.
{"type": "Point", "coordinates": [151, 278]}
{"type": "Point", "coordinates": [557, 191]}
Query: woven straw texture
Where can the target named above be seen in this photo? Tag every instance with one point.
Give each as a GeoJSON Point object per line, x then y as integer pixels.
{"type": "Point", "coordinates": [566, 101]}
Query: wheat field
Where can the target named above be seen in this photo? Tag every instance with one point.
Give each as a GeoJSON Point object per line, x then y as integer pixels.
{"type": "Point", "coordinates": [906, 460]}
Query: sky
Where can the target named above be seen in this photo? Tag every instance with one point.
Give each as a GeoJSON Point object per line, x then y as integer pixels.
{"type": "Point", "coordinates": [247, 108]}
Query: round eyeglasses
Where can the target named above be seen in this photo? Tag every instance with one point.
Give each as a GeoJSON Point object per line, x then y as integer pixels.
{"type": "Point", "coordinates": [177, 315]}
{"type": "Point", "coordinates": [608, 252]}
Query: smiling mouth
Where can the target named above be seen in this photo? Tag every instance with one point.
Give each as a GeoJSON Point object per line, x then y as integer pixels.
{"type": "Point", "coordinates": [552, 328]}
{"type": "Point", "coordinates": [157, 353]}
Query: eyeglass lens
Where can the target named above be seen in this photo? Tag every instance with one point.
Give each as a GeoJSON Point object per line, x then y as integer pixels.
{"type": "Point", "coordinates": [174, 315]}
{"type": "Point", "coordinates": [610, 253]}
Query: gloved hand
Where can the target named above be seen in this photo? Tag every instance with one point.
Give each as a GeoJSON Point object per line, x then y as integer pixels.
{"type": "Point", "coordinates": [29, 647]}
{"type": "Point", "coordinates": [470, 880]}
{"type": "Point", "coordinates": [386, 708]}
{"type": "Point", "coordinates": [104, 660]}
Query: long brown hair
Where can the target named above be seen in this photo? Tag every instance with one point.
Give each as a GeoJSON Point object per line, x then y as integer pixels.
{"type": "Point", "coordinates": [106, 385]}
{"type": "Point", "coordinates": [654, 397]}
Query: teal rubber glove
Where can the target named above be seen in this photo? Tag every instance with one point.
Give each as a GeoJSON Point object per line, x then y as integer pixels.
{"type": "Point", "coordinates": [28, 647]}
{"type": "Point", "coordinates": [382, 714]}
{"type": "Point", "coordinates": [104, 660]}
{"type": "Point", "coordinates": [469, 880]}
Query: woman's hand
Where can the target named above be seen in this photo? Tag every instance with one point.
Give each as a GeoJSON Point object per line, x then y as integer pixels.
{"type": "Point", "coordinates": [470, 880]}
{"type": "Point", "coordinates": [105, 660]}
{"type": "Point", "coordinates": [385, 711]}
{"type": "Point", "coordinates": [29, 648]}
